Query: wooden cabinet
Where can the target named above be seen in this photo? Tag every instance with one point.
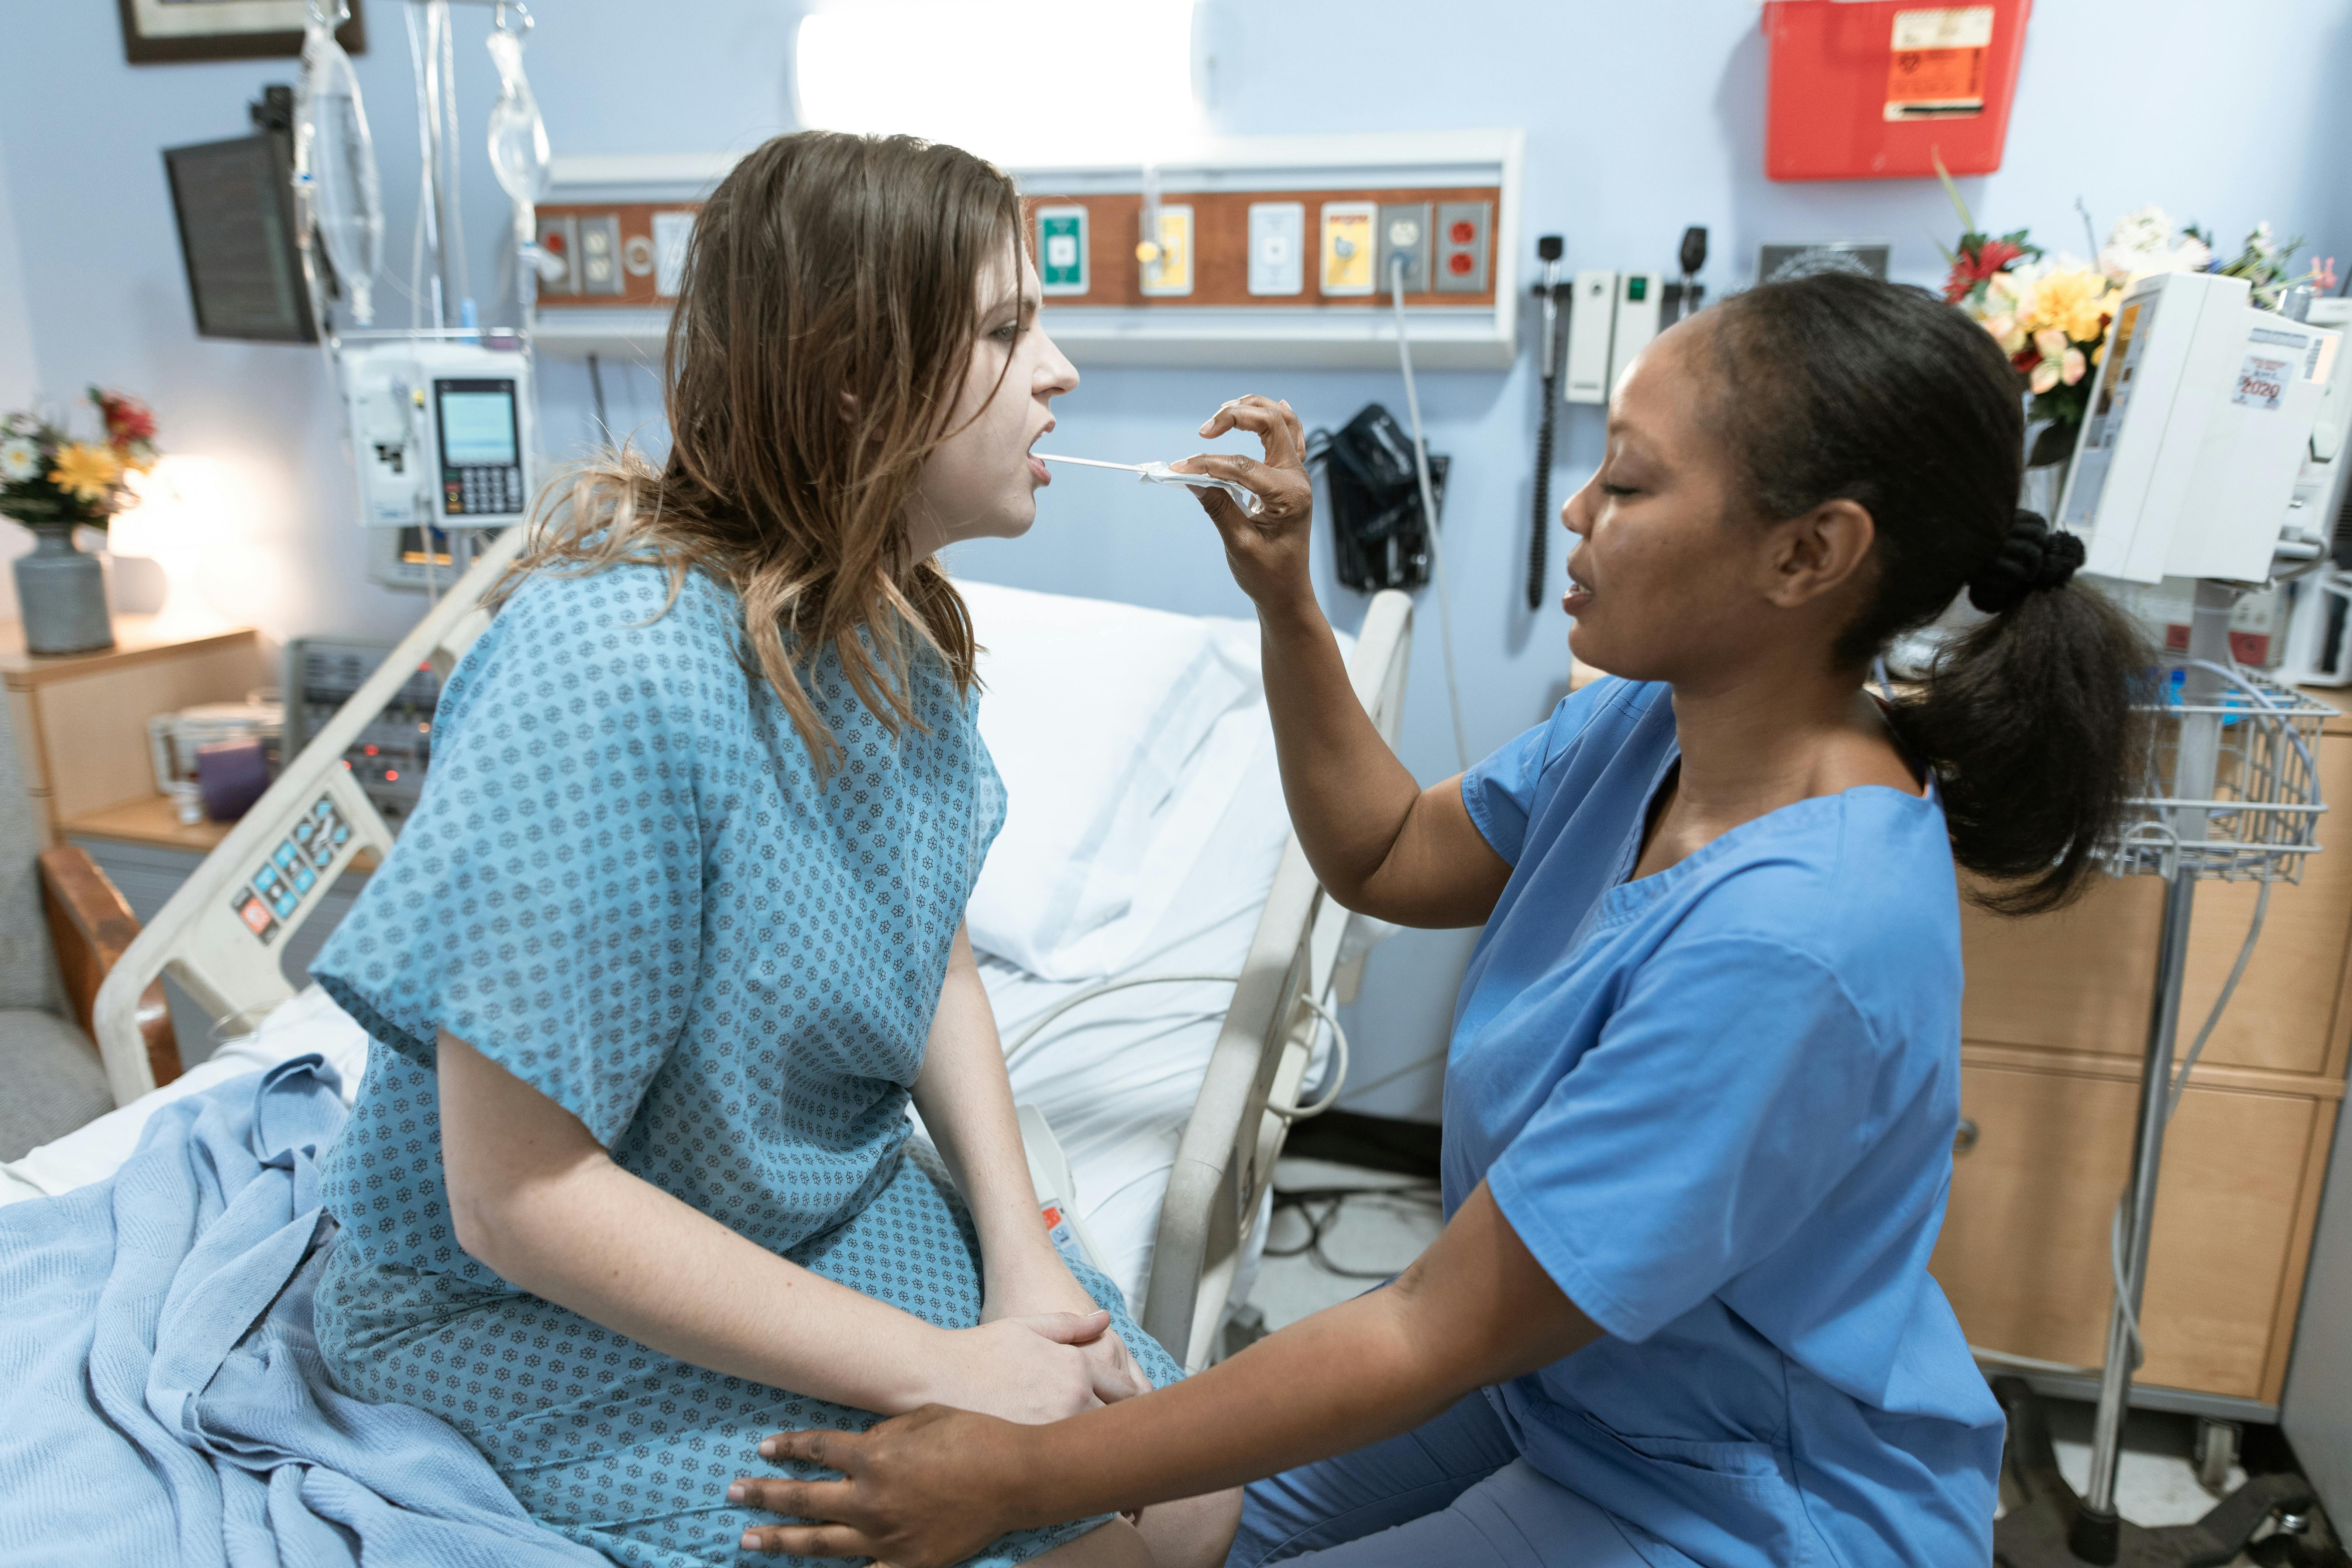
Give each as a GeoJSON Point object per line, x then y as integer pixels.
{"type": "Point", "coordinates": [81, 718]}
{"type": "Point", "coordinates": [2054, 1027]}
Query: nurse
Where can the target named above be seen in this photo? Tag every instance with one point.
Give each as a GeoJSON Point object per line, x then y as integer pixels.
{"type": "Point", "coordinates": [1705, 1072]}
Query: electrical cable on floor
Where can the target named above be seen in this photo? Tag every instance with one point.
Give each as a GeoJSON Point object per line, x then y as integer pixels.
{"type": "Point", "coordinates": [1428, 512]}
{"type": "Point", "coordinates": [1424, 1195]}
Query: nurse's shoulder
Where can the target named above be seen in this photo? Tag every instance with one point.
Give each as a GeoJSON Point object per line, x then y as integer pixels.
{"type": "Point", "coordinates": [1861, 884]}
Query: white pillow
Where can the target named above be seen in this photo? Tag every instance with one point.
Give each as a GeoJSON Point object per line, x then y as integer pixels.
{"type": "Point", "coordinates": [1092, 712]}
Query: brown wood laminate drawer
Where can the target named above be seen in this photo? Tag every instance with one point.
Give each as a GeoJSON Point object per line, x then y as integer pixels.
{"type": "Point", "coordinates": [2023, 1256]}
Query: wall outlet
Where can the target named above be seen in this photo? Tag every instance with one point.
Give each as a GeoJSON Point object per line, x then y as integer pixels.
{"type": "Point", "coordinates": [1405, 238]}
{"type": "Point", "coordinates": [1462, 247]}
{"type": "Point", "coordinates": [1277, 248]}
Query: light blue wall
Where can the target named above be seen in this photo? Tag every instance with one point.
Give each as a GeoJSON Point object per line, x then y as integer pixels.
{"type": "Point", "coordinates": [1640, 119]}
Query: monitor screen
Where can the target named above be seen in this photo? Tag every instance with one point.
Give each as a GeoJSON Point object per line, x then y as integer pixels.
{"type": "Point", "coordinates": [477, 423]}
{"type": "Point", "coordinates": [236, 238]}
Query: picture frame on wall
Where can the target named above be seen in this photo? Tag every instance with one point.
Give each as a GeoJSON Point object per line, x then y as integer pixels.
{"type": "Point", "coordinates": [163, 32]}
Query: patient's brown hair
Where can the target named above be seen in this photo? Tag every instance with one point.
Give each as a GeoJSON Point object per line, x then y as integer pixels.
{"type": "Point", "coordinates": [825, 321]}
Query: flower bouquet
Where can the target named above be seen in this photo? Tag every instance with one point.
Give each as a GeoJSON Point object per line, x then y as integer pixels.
{"type": "Point", "coordinates": [47, 477]}
{"type": "Point", "coordinates": [51, 483]}
{"type": "Point", "coordinates": [2051, 316]}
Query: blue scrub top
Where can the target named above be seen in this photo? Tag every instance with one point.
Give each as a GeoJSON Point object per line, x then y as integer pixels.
{"type": "Point", "coordinates": [1718, 1105]}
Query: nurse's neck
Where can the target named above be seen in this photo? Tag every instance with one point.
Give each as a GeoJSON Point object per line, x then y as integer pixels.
{"type": "Point", "coordinates": [1761, 737]}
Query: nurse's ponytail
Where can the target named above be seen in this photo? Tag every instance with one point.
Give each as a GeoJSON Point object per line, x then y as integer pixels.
{"type": "Point", "coordinates": [1842, 387]}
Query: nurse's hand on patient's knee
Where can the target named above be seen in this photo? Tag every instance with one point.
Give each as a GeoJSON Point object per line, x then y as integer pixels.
{"type": "Point", "coordinates": [921, 1491]}
{"type": "Point", "coordinates": [1032, 1369]}
{"type": "Point", "coordinates": [1267, 552]}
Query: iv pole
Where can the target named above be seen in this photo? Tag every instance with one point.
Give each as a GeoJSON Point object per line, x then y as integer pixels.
{"type": "Point", "coordinates": [2261, 832]}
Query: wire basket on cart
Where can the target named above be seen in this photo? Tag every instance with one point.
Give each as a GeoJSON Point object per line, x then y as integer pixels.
{"type": "Point", "coordinates": [2260, 820]}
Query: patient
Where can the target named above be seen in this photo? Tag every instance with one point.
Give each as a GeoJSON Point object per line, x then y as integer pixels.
{"type": "Point", "coordinates": [677, 931]}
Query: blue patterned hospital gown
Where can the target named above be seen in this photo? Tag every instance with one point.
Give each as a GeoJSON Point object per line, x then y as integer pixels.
{"type": "Point", "coordinates": [624, 886]}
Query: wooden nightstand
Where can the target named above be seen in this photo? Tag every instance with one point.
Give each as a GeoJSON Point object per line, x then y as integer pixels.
{"type": "Point", "coordinates": [81, 718]}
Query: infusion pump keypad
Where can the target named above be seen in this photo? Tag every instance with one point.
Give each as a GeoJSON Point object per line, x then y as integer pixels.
{"type": "Point", "coordinates": [268, 898]}
{"type": "Point", "coordinates": [490, 488]}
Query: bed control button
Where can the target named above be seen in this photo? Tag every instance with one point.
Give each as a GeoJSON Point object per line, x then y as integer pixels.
{"type": "Point", "coordinates": [286, 854]}
{"type": "Point", "coordinates": [302, 831]}
{"type": "Point", "coordinates": [341, 833]}
{"type": "Point", "coordinates": [304, 879]}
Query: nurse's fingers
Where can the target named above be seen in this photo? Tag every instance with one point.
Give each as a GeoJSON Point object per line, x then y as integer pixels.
{"type": "Point", "coordinates": [810, 1541]}
{"type": "Point", "coordinates": [1272, 422]}
{"type": "Point", "coordinates": [832, 1501]}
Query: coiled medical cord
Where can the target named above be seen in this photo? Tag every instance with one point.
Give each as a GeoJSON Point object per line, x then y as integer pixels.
{"type": "Point", "coordinates": [1318, 1226]}
{"type": "Point", "coordinates": [1428, 511]}
{"type": "Point", "coordinates": [1336, 1072]}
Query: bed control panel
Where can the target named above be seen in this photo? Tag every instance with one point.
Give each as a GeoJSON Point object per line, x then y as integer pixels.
{"type": "Point", "coordinates": [297, 867]}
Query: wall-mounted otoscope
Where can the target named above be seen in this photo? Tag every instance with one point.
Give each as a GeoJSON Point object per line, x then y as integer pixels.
{"type": "Point", "coordinates": [1548, 249]}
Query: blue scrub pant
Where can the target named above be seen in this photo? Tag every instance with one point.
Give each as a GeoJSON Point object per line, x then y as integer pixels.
{"type": "Point", "coordinates": [1453, 1491]}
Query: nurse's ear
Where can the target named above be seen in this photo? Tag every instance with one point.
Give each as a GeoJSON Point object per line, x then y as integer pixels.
{"type": "Point", "coordinates": [1819, 555]}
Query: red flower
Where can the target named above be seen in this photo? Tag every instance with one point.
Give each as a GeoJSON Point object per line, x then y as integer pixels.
{"type": "Point", "coordinates": [1970, 267]}
{"type": "Point", "coordinates": [127, 418]}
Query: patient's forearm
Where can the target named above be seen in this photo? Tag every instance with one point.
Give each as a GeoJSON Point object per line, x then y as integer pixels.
{"type": "Point", "coordinates": [536, 1198]}
{"type": "Point", "coordinates": [624, 1254]}
{"type": "Point", "coordinates": [967, 1107]}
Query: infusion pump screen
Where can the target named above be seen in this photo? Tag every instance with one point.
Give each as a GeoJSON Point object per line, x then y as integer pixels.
{"type": "Point", "coordinates": [481, 471]}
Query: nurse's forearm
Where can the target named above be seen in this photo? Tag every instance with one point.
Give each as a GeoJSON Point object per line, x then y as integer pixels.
{"type": "Point", "coordinates": [1378, 841]}
{"type": "Point", "coordinates": [1348, 794]}
{"type": "Point", "coordinates": [1474, 1311]}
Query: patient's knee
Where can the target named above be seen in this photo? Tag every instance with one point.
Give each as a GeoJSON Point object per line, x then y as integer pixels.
{"type": "Point", "coordinates": [1113, 1545]}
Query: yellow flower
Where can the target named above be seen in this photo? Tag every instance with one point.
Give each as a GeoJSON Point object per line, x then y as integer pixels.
{"type": "Point", "coordinates": [2071, 301]}
{"type": "Point", "coordinates": [90, 472]}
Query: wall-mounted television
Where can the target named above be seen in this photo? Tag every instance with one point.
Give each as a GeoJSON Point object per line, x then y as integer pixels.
{"type": "Point", "coordinates": [235, 204]}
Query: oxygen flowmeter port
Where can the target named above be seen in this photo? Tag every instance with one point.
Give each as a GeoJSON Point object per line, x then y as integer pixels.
{"type": "Point", "coordinates": [1348, 250]}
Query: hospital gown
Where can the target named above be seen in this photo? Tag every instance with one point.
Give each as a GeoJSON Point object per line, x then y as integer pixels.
{"type": "Point", "coordinates": [626, 887]}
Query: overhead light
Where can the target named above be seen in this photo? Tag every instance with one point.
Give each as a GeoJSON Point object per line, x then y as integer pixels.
{"type": "Point", "coordinates": [1021, 82]}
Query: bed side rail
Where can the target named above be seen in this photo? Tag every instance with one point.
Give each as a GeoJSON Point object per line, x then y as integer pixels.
{"type": "Point", "coordinates": [1224, 1163]}
{"type": "Point", "coordinates": [222, 934]}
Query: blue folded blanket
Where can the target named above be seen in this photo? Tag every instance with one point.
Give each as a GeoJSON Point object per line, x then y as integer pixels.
{"type": "Point", "coordinates": [161, 1399]}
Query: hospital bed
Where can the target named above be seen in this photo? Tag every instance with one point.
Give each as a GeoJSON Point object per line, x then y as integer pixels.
{"type": "Point", "coordinates": [1162, 1020]}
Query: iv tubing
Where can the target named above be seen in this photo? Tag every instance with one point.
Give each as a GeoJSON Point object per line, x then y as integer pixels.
{"type": "Point", "coordinates": [1428, 511]}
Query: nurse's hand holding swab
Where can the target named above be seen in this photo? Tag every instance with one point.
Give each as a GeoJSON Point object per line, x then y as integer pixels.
{"type": "Point", "coordinates": [1267, 549]}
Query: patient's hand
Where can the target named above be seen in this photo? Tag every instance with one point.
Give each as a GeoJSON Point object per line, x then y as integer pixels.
{"type": "Point", "coordinates": [1032, 1369]}
{"type": "Point", "coordinates": [1052, 1290]}
{"type": "Point", "coordinates": [921, 1491]}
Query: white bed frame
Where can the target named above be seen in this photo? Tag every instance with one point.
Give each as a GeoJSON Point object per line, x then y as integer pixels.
{"type": "Point", "coordinates": [1224, 1163]}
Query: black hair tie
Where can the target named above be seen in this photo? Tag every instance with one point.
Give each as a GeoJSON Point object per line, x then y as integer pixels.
{"type": "Point", "coordinates": [2033, 556]}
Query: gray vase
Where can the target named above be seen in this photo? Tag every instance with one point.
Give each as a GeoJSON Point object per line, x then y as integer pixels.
{"type": "Point", "coordinates": [61, 594]}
